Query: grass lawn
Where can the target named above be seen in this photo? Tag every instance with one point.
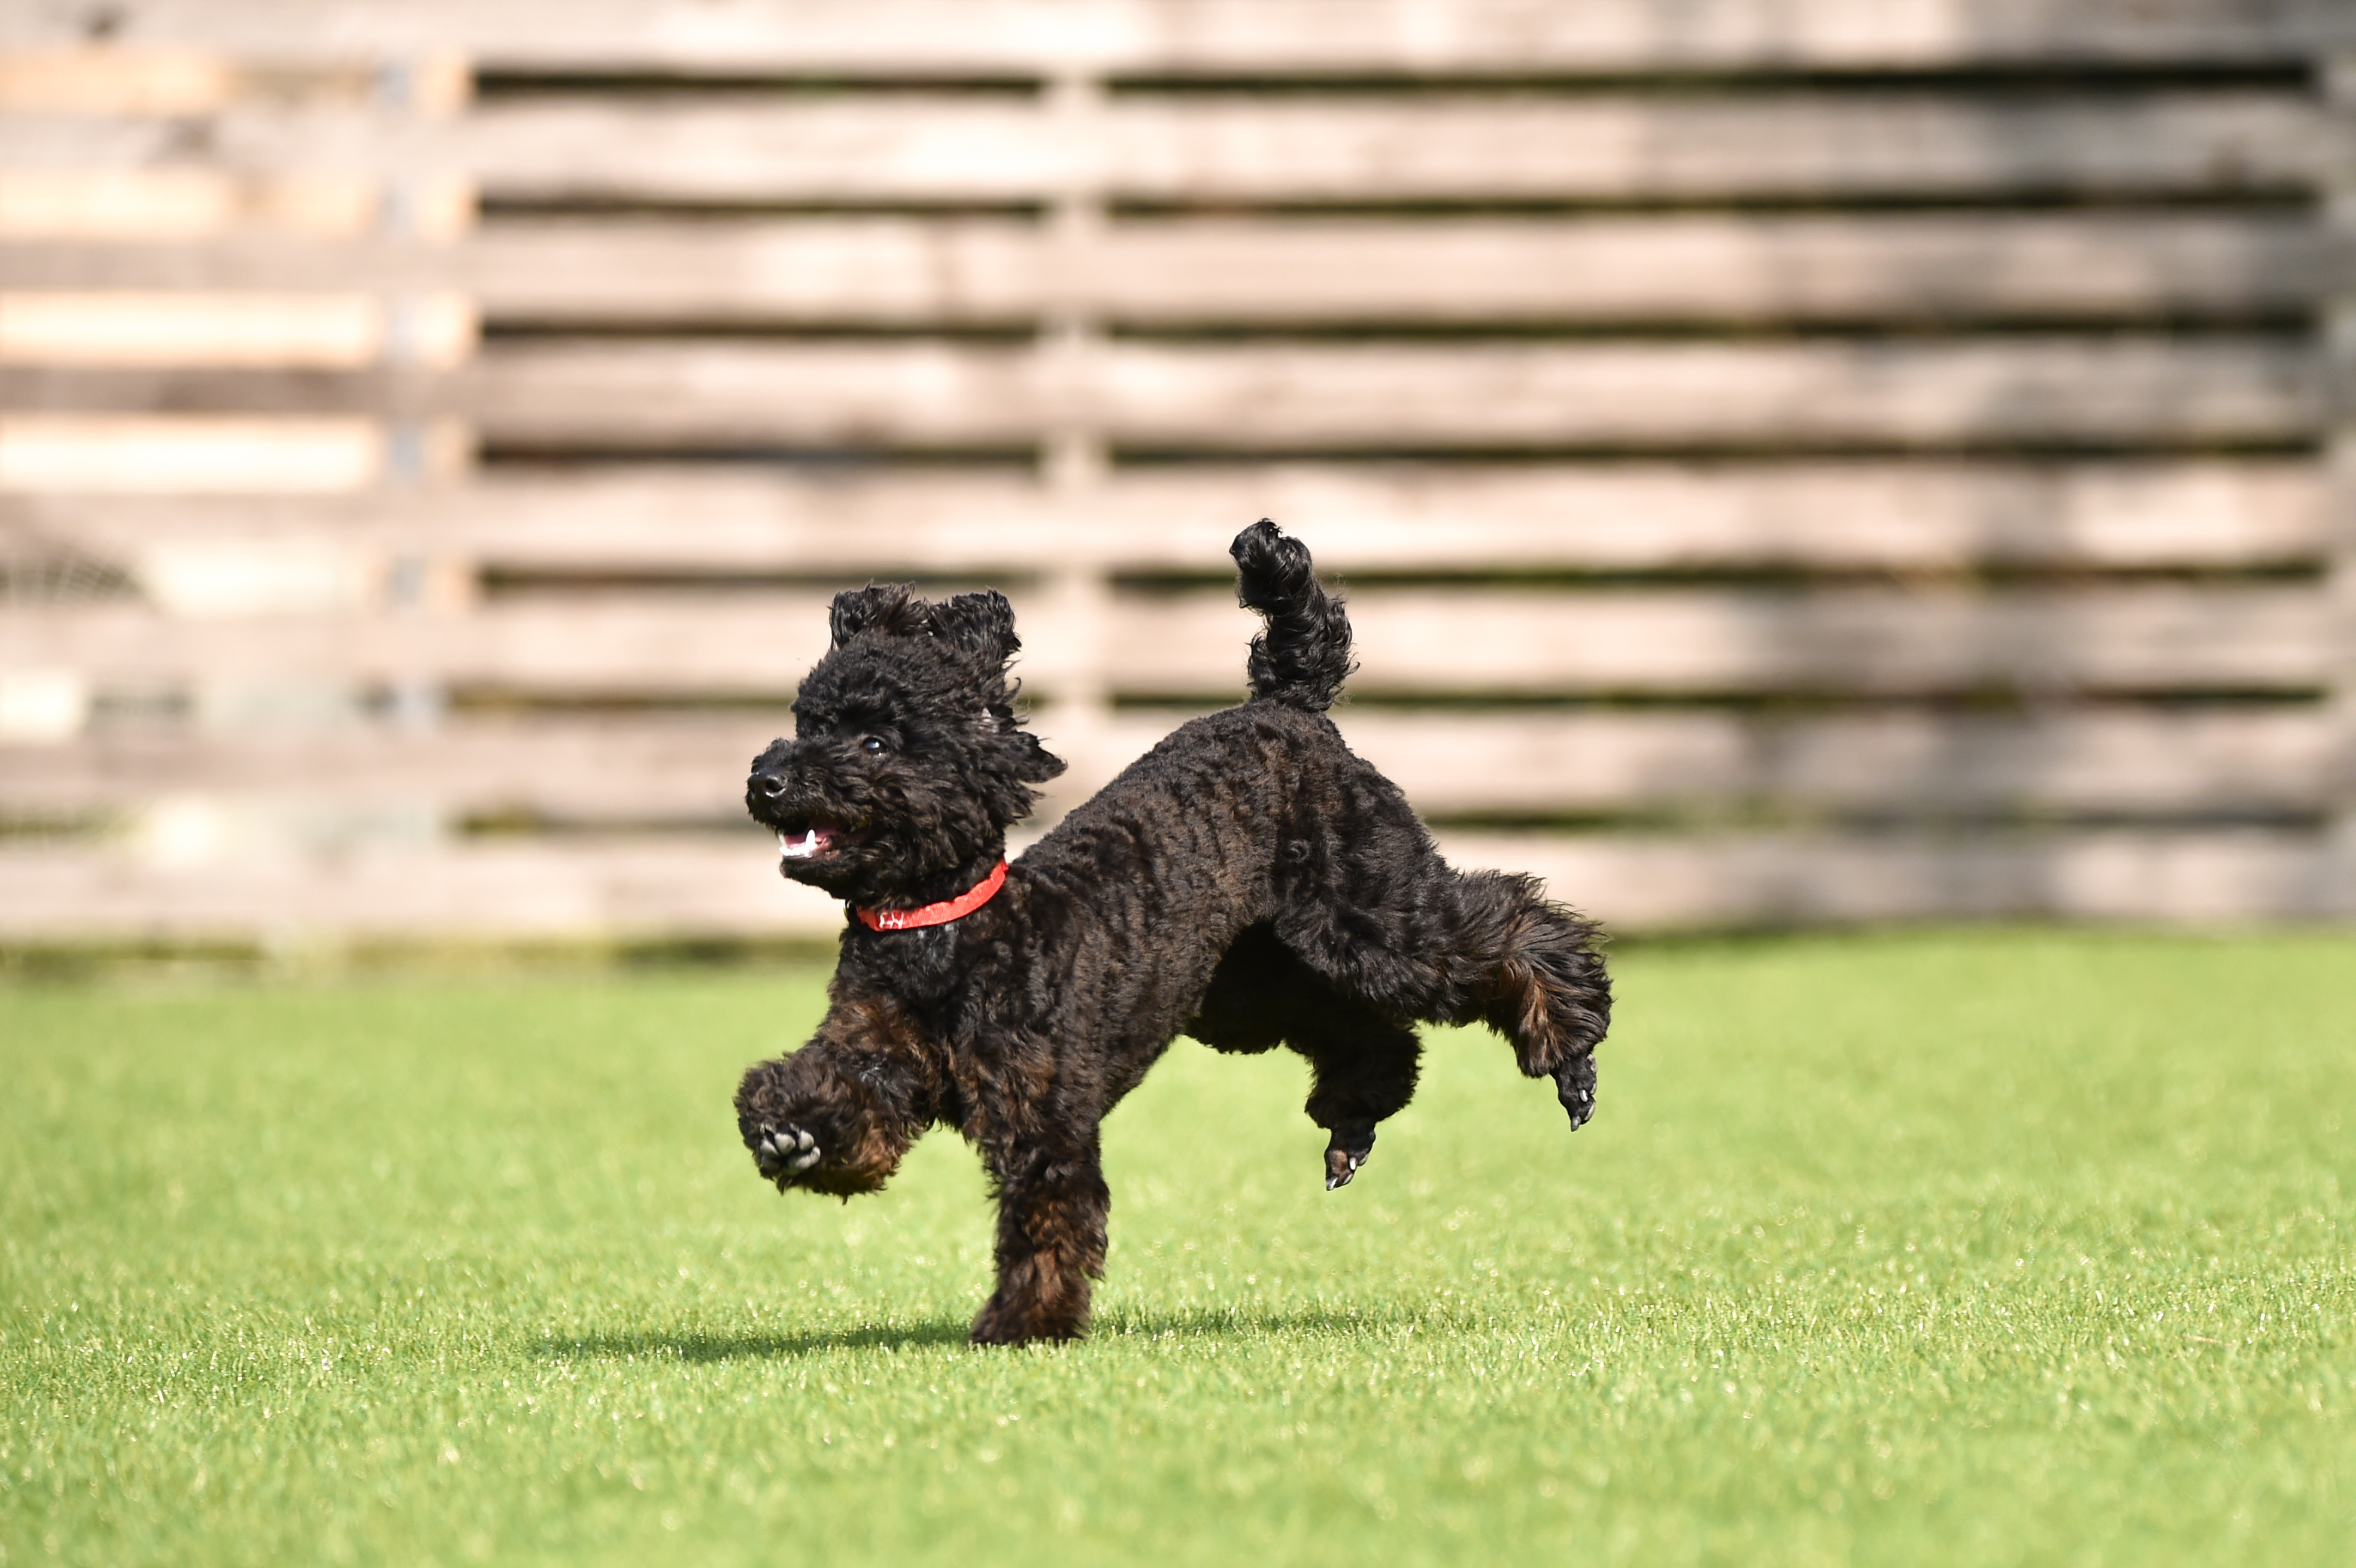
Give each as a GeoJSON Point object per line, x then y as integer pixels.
{"type": "Point", "coordinates": [1989, 1247]}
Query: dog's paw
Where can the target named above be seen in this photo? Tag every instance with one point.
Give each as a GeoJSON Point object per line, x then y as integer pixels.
{"type": "Point", "coordinates": [1011, 1323]}
{"type": "Point", "coordinates": [1343, 1158]}
{"type": "Point", "coordinates": [1574, 1084]}
{"type": "Point", "coordinates": [784, 1153]}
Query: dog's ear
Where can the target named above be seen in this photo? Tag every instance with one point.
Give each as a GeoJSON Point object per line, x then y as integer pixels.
{"type": "Point", "coordinates": [893, 609]}
{"type": "Point", "coordinates": [979, 626]}
{"type": "Point", "coordinates": [1033, 763]}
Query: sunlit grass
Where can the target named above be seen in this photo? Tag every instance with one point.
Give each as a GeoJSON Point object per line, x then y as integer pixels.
{"type": "Point", "coordinates": [1989, 1247]}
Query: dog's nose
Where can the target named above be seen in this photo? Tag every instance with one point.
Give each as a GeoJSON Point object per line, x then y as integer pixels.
{"type": "Point", "coordinates": [770, 785]}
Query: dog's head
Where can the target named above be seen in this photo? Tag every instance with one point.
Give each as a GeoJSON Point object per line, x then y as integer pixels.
{"type": "Point", "coordinates": [906, 763]}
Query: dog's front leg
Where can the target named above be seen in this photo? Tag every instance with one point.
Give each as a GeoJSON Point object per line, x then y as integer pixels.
{"type": "Point", "coordinates": [836, 1115]}
{"type": "Point", "coordinates": [1052, 1204]}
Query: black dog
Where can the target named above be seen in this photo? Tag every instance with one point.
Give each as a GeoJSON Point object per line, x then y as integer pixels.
{"type": "Point", "coordinates": [1249, 882]}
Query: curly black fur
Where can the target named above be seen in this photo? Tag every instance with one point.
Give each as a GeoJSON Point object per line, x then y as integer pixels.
{"type": "Point", "coordinates": [1248, 881]}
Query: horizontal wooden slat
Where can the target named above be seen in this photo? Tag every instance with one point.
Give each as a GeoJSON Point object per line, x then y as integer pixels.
{"type": "Point", "coordinates": [635, 768]}
{"type": "Point", "coordinates": [1683, 267]}
{"type": "Point", "coordinates": [898, 37]}
{"type": "Point", "coordinates": [1784, 879]}
{"type": "Point", "coordinates": [757, 644]}
{"type": "Point", "coordinates": [179, 455]}
{"type": "Point", "coordinates": [1854, 268]}
{"type": "Point", "coordinates": [1446, 150]}
{"type": "Point", "coordinates": [150, 205]}
{"type": "Point", "coordinates": [686, 766]}
{"type": "Point", "coordinates": [2026, 389]}
{"type": "Point", "coordinates": [1867, 640]}
{"type": "Point", "coordinates": [646, 886]}
{"type": "Point", "coordinates": [1702, 146]}
{"type": "Point", "coordinates": [91, 77]}
{"type": "Point", "coordinates": [1648, 516]}
{"type": "Point", "coordinates": [2140, 638]}
{"type": "Point", "coordinates": [1904, 763]}
{"type": "Point", "coordinates": [323, 330]}
{"type": "Point", "coordinates": [727, 884]}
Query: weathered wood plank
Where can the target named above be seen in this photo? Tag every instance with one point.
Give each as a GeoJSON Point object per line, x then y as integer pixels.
{"type": "Point", "coordinates": [1705, 269]}
{"type": "Point", "coordinates": [1857, 268]}
{"type": "Point", "coordinates": [683, 767]}
{"type": "Point", "coordinates": [1899, 764]}
{"type": "Point", "coordinates": [753, 643]}
{"type": "Point", "coordinates": [638, 768]}
{"type": "Point", "coordinates": [2154, 637]}
{"type": "Point", "coordinates": [1703, 146]}
{"type": "Point", "coordinates": [513, 889]}
{"type": "Point", "coordinates": [901, 36]}
{"type": "Point", "coordinates": [333, 330]}
{"type": "Point", "coordinates": [2142, 638]}
{"type": "Point", "coordinates": [2026, 389]}
{"type": "Point", "coordinates": [91, 77]}
{"type": "Point", "coordinates": [184, 455]}
{"type": "Point", "coordinates": [2033, 390]}
{"type": "Point", "coordinates": [727, 884]}
{"type": "Point", "coordinates": [109, 207]}
{"type": "Point", "coordinates": [1738, 881]}
{"type": "Point", "coordinates": [1427, 149]}
{"type": "Point", "coordinates": [1631, 516]}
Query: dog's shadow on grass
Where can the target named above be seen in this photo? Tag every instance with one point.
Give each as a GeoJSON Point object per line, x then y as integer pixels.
{"type": "Point", "coordinates": [690, 1345]}
{"type": "Point", "coordinates": [693, 1346]}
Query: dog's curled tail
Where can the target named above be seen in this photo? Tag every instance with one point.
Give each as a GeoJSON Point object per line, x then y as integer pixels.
{"type": "Point", "coordinates": [1304, 656]}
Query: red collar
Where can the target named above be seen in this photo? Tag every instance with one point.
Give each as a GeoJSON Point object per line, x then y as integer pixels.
{"type": "Point", "coordinates": [941, 913]}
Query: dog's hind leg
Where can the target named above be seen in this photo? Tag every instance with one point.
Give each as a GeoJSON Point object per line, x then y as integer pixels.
{"type": "Point", "coordinates": [1363, 1061]}
{"type": "Point", "coordinates": [1418, 940]}
{"type": "Point", "coordinates": [1542, 984]}
{"type": "Point", "coordinates": [1365, 1069]}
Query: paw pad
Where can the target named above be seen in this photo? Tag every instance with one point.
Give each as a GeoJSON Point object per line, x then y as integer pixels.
{"type": "Point", "coordinates": [784, 1153]}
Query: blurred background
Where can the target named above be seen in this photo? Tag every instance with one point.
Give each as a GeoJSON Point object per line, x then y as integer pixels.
{"type": "Point", "coordinates": [1791, 461]}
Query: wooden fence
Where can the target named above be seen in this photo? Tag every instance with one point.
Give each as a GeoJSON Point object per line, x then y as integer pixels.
{"type": "Point", "coordinates": [1819, 460]}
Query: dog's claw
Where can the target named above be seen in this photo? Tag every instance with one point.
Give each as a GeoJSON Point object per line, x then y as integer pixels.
{"type": "Point", "coordinates": [1575, 1086]}
{"type": "Point", "coordinates": [1341, 1164]}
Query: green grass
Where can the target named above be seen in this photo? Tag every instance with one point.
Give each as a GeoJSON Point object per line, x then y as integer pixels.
{"type": "Point", "coordinates": [1989, 1247]}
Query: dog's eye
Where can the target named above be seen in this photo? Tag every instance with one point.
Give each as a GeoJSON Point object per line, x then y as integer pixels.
{"type": "Point", "coordinates": [873, 745]}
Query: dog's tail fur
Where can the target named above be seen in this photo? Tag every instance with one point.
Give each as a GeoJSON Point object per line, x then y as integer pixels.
{"type": "Point", "coordinates": [1304, 656]}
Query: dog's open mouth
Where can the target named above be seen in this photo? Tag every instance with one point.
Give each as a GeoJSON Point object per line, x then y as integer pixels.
{"type": "Point", "coordinates": [815, 840]}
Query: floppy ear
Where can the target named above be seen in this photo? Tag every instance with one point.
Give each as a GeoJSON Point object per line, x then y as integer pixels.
{"type": "Point", "coordinates": [979, 626]}
{"type": "Point", "coordinates": [1033, 763]}
{"type": "Point", "coordinates": [893, 609]}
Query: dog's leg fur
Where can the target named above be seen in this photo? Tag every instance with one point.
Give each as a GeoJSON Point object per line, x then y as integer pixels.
{"type": "Point", "coordinates": [1365, 1063]}
{"type": "Point", "coordinates": [1424, 941]}
{"type": "Point", "coordinates": [1251, 1004]}
{"type": "Point", "coordinates": [837, 1115]}
{"type": "Point", "coordinates": [1366, 1071]}
{"type": "Point", "coordinates": [1052, 1207]}
{"type": "Point", "coordinates": [1543, 985]}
